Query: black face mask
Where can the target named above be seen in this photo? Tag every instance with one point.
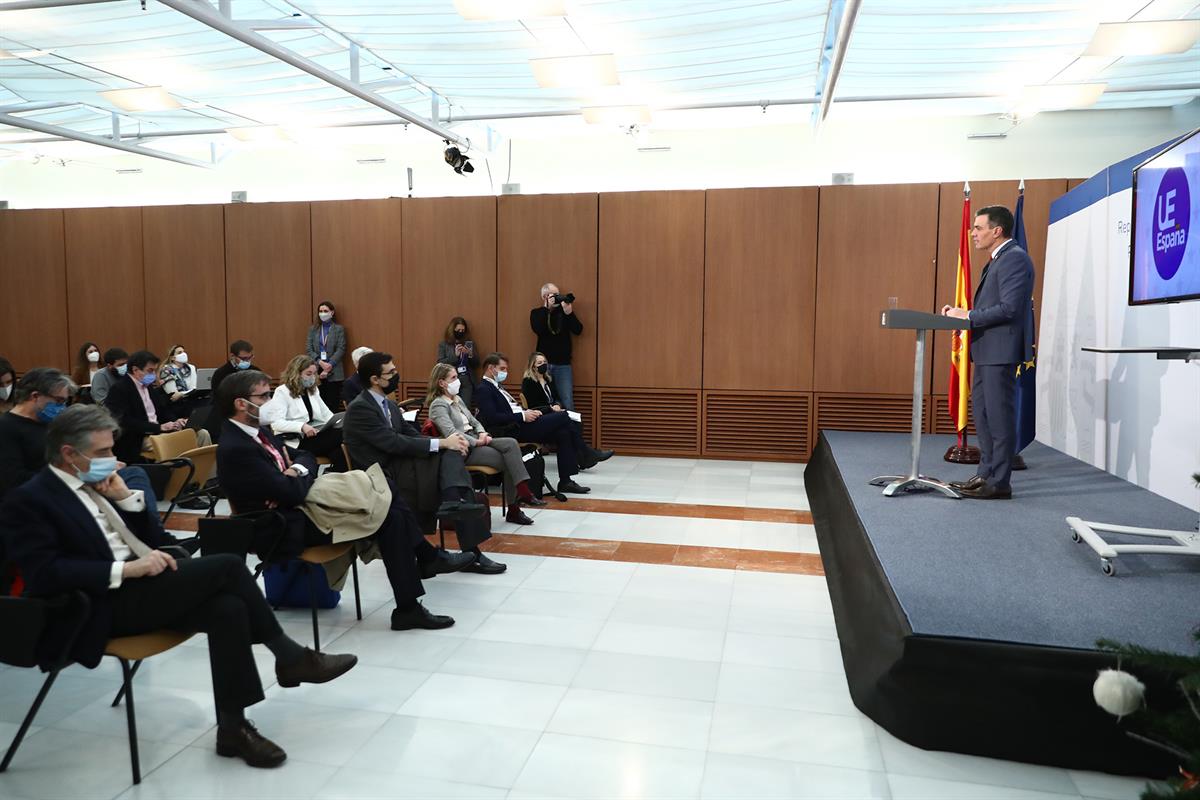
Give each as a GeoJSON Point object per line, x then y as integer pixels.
{"type": "Point", "coordinates": [543, 368]}
{"type": "Point", "coordinates": [460, 335]}
{"type": "Point", "coordinates": [392, 385]}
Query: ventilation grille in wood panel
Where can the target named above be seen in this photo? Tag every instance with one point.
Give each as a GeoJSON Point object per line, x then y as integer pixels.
{"type": "Point", "coordinates": [864, 412]}
{"type": "Point", "coordinates": [941, 416]}
{"type": "Point", "coordinates": [734, 425]}
{"type": "Point", "coordinates": [650, 422]}
{"type": "Point", "coordinates": [585, 404]}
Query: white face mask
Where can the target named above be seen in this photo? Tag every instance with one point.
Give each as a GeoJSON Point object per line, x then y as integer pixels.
{"type": "Point", "coordinates": [181, 358]}
{"type": "Point", "coordinates": [265, 415]}
{"type": "Point", "coordinates": [5, 391]}
{"type": "Point", "coordinates": [94, 357]}
{"type": "Point", "coordinates": [325, 315]}
{"type": "Point", "coordinates": [453, 386]}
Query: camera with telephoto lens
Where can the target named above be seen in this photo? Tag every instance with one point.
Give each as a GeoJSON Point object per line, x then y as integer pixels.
{"type": "Point", "coordinates": [569, 297]}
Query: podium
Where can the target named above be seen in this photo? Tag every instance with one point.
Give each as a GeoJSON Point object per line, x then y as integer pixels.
{"type": "Point", "coordinates": [922, 323]}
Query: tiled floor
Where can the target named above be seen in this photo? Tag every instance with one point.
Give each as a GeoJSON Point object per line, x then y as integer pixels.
{"type": "Point", "coordinates": [564, 677]}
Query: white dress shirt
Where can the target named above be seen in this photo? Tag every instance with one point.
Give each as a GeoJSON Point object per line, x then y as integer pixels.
{"type": "Point", "coordinates": [136, 502]}
{"type": "Point", "coordinates": [512, 403]}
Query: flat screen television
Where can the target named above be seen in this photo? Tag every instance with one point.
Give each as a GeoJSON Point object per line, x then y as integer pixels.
{"type": "Point", "coordinates": [1164, 256]}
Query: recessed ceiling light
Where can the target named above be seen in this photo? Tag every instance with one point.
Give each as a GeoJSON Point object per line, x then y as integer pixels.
{"type": "Point", "coordinates": [1152, 38]}
{"type": "Point", "coordinates": [575, 72]}
{"type": "Point", "coordinates": [259, 133]}
{"type": "Point", "coordinates": [145, 98]}
{"type": "Point", "coordinates": [617, 115]}
{"type": "Point", "coordinates": [509, 9]}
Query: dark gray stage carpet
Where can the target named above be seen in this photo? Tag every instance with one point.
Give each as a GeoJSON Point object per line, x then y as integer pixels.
{"type": "Point", "coordinates": [1008, 570]}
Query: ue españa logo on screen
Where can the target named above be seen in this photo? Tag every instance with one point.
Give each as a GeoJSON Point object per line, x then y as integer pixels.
{"type": "Point", "coordinates": [1172, 212]}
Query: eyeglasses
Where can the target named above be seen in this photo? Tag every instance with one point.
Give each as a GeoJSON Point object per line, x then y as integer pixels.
{"type": "Point", "coordinates": [386, 375]}
{"type": "Point", "coordinates": [267, 394]}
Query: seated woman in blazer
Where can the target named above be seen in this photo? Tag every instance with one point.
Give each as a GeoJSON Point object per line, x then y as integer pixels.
{"type": "Point", "coordinates": [298, 414]}
{"type": "Point", "coordinates": [450, 415]}
{"type": "Point", "coordinates": [178, 380]}
{"type": "Point", "coordinates": [537, 387]}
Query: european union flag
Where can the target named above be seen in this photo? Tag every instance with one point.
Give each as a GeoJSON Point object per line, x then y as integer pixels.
{"type": "Point", "coordinates": [1027, 372]}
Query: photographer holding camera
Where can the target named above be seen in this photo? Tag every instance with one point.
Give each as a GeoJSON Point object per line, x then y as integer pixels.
{"type": "Point", "coordinates": [555, 323]}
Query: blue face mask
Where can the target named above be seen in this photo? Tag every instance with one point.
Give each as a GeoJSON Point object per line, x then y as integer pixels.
{"type": "Point", "coordinates": [50, 411]}
{"type": "Point", "coordinates": [243, 365]}
{"type": "Point", "coordinates": [121, 370]}
{"type": "Point", "coordinates": [98, 470]}
{"type": "Point", "coordinates": [501, 377]}
{"type": "Point", "coordinates": [147, 379]}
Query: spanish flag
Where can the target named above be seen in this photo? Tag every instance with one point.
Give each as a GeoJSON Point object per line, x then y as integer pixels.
{"type": "Point", "coordinates": [960, 342]}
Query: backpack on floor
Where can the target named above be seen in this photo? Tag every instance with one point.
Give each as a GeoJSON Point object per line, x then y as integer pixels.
{"type": "Point", "coordinates": [287, 585]}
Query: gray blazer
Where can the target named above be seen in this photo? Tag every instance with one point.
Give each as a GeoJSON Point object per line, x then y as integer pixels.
{"type": "Point", "coordinates": [455, 418]}
{"type": "Point", "coordinates": [335, 348]}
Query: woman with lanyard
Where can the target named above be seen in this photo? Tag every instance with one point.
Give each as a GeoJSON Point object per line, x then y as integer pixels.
{"type": "Point", "coordinates": [457, 350]}
{"type": "Point", "coordinates": [327, 347]}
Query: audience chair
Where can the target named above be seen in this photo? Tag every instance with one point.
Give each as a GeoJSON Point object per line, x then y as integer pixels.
{"type": "Point", "coordinates": [238, 533]}
{"type": "Point", "coordinates": [191, 469]}
{"type": "Point", "coordinates": [25, 619]}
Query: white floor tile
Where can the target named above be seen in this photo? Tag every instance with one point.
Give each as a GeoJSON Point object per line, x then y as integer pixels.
{"type": "Point", "coordinates": [657, 640]}
{"type": "Point", "coordinates": [828, 739]}
{"type": "Point", "coordinates": [435, 748]}
{"type": "Point", "coordinates": [516, 662]}
{"type": "Point", "coordinates": [902, 758]}
{"type": "Point", "coordinates": [177, 716]}
{"type": "Point", "coordinates": [670, 611]}
{"type": "Point", "coordinates": [799, 690]}
{"type": "Point", "coordinates": [572, 766]}
{"type": "Point", "coordinates": [909, 787]}
{"type": "Point", "coordinates": [649, 675]}
{"type": "Point", "coordinates": [776, 621]}
{"type": "Point", "coordinates": [787, 652]}
{"type": "Point", "coordinates": [355, 783]}
{"type": "Point", "coordinates": [486, 701]}
{"type": "Point", "coordinates": [642, 719]}
{"type": "Point", "coordinates": [535, 629]}
{"type": "Point", "coordinates": [740, 777]}
{"type": "Point", "coordinates": [18, 688]}
{"type": "Point", "coordinates": [461, 595]}
{"type": "Point", "coordinates": [572, 605]}
{"type": "Point", "coordinates": [200, 773]}
{"type": "Point", "coordinates": [414, 650]}
{"type": "Point", "coordinates": [56, 763]}
{"type": "Point", "coordinates": [579, 575]}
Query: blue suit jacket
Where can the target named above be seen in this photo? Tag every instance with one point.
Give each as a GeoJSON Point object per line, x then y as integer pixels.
{"type": "Point", "coordinates": [494, 411]}
{"type": "Point", "coordinates": [1002, 317]}
{"type": "Point", "coordinates": [59, 548]}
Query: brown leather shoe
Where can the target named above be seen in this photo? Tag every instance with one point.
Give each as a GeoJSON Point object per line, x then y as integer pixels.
{"type": "Point", "coordinates": [972, 483]}
{"type": "Point", "coordinates": [988, 492]}
{"type": "Point", "coordinates": [313, 667]}
{"type": "Point", "coordinates": [246, 743]}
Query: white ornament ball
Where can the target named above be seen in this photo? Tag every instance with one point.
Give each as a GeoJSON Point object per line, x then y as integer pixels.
{"type": "Point", "coordinates": [1118, 692]}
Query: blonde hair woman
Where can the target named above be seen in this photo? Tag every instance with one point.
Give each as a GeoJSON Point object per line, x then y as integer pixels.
{"type": "Point", "coordinates": [178, 378]}
{"type": "Point", "coordinates": [450, 415]}
{"type": "Point", "coordinates": [302, 418]}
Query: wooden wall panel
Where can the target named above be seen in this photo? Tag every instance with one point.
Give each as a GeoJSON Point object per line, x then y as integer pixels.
{"type": "Point", "coordinates": [356, 266]}
{"type": "Point", "coordinates": [760, 276]}
{"type": "Point", "coordinates": [449, 269]}
{"type": "Point", "coordinates": [268, 280]}
{"type": "Point", "coordinates": [33, 281]}
{"type": "Point", "coordinates": [862, 412]}
{"type": "Point", "coordinates": [546, 238]}
{"type": "Point", "coordinates": [726, 434]}
{"type": "Point", "coordinates": [106, 297]}
{"type": "Point", "coordinates": [875, 242]}
{"type": "Point", "coordinates": [183, 251]}
{"type": "Point", "coordinates": [1038, 196]}
{"type": "Point", "coordinates": [650, 422]}
{"type": "Point", "coordinates": [651, 289]}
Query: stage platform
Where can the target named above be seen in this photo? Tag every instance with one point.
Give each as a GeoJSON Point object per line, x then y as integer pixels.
{"type": "Point", "coordinates": [970, 626]}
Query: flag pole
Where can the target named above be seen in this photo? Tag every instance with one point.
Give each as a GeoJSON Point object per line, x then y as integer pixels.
{"type": "Point", "coordinates": [960, 362]}
{"type": "Point", "coordinates": [962, 434]}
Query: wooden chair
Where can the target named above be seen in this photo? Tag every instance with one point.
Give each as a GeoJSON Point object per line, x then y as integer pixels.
{"type": "Point", "coordinates": [24, 619]}
{"type": "Point", "coordinates": [190, 469]}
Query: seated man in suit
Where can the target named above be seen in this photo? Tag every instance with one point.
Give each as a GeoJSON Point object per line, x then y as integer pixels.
{"type": "Point", "coordinates": [241, 357]}
{"type": "Point", "coordinates": [76, 526]}
{"type": "Point", "coordinates": [40, 396]}
{"type": "Point", "coordinates": [503, 416]}
{"type": "Point", "coordinates": [258, 471]}
{"type": "Point", "coordinates": [424, 470]}
{"type": "Point", "coordinates": [141, 408]}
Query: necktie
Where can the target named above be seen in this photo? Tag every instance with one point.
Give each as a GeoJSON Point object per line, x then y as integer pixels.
{"type": "Point", "coordinates": [387, 412]}
{"type": "Point", "coordinates": [135, 544]}
{"type": "Point", "coordinates": [266, 443]}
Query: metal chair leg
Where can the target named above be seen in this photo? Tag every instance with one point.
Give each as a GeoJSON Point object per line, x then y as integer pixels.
{"type": "Point", "coordinates": [25, 723]}
{"type": "Point", "coordinates": [357, 591]}
{"type": "Point", "coordinates": [312, 603]}
{"type": "Point", "coordinates": [121, 692]}
{"type": "Point", "coordinates": [131, 720]}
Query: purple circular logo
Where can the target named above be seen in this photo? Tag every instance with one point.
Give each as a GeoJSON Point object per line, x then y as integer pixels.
{"type": "Point", "coordinates": [1172, 213]}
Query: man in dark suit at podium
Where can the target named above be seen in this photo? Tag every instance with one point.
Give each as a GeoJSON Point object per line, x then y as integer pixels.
{"type": "Point", "coordinates": [1001, 338]}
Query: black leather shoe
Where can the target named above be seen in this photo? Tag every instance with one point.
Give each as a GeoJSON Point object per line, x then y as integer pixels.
{"type": "Point", "coordinates": [246, 743]}
{"type": "Point", "coordinates": [313, 667]}
{"type": "Point", "coordinates": [602, 455]}
{"type": "Point", "coordinates": [446, 562]}
{"type": "Point", "coordinates": [988, 492]}
{"type": "Point", "coordinates": [458, 509]}
{"type": "Point", "coordinates": [485, 566]}
{"type": "Point", "coordinates": [420, 617]}
{"type": "Point", "coordinates": [533, 501]}
{"type": "Point", "coordinates": [971, 483]}
{"type": "Point", "coordinates": [571, 487]}
{"type": "Point", "coordinates": [518, 517]}
{"type": "Point", "coordinates": [196, 504]}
